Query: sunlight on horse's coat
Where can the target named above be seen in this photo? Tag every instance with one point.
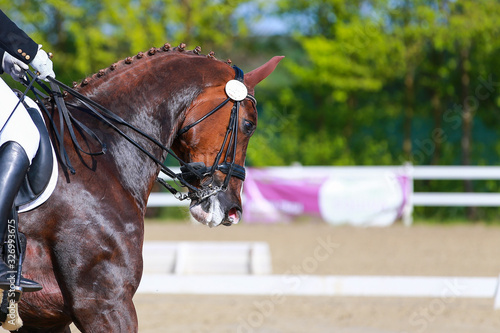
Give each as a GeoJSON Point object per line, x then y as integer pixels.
{"type": "Point", "coordinates": [84, 244]}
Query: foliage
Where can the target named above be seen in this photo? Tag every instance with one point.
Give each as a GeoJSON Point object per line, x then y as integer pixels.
{"type": "Point", "coordinates": [88, 35]}
{"type": "Point", "coordinates": [385, 82]}
{"type": "Point", "coordinates": [372, 82]}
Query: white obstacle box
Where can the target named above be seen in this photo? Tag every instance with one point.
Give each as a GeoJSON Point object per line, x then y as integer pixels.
{"type": "Point", "coordinates": [206, 258]}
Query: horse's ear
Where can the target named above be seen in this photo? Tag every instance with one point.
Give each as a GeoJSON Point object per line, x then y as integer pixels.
{"type": "Point", "coordinates": [254, 77]}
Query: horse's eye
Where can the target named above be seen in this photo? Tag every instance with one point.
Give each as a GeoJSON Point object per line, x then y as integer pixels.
{"type": "Point", "coordinates": [248, 127]}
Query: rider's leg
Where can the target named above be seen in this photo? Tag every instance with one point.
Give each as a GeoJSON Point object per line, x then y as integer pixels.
{"type": "Point", "coordinates": [19, 140]}
{"type": "Point", "coordinates": [14, 164]}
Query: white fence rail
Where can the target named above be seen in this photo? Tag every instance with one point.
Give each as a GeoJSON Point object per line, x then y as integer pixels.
{"type": "Point", "coordinates": [456, 173]}
{"type": "Point", "coordinates": [327, 285]}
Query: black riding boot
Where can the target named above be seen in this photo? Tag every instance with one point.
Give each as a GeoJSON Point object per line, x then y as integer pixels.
{"type": "Point", "coordinates": [14, 164]}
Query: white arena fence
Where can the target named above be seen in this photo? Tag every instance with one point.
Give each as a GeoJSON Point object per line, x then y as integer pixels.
{"type": "Point", "coordinates": [175, 268]}
{"type": "Point", "coordinates": [358, 195]}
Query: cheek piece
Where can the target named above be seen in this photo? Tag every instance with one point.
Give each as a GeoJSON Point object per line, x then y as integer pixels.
{"type": "Point", "coordinates": [236, 92]}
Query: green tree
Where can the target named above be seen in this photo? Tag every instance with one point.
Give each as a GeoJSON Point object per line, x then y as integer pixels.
{"type": "Point", "coordinates": [345, 57]}
{"type": "Point", "coordinates": [88, 35]}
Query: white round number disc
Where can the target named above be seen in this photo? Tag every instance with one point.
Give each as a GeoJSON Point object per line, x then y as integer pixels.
{"type": "Point", "coordinates": [236, 90]}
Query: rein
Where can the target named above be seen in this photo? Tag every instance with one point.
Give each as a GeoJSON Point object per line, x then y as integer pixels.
{"type": "Point", "coordinates": [189, 171]}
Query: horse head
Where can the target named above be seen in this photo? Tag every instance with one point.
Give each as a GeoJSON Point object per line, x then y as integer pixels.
{"type": "Point", "coordinates": [213, 140]}
{"type": "Point", "coordinates": [201, 108]}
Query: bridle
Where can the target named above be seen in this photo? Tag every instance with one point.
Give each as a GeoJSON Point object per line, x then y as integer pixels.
{"type": "Point", "coordinates": [237, 92]}
{"type": "Point", "coordinates": [190, 172]}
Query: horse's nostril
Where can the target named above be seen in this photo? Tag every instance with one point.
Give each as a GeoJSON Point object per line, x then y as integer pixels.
{"type": "Point", "coordinates": [233, 216]}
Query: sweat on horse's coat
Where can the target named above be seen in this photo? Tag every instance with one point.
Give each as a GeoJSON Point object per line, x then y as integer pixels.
{"type": "Point", "coordinates": [85, 242]}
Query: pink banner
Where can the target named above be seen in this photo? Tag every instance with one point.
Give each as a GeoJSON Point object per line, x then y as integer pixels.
{"type": "Point", "coordinates": [271, 198]}
{"type": "Point", "coordinates": [279, 194]}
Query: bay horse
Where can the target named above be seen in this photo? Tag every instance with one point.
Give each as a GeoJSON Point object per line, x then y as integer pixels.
{"type": "Point", "coordinates": [84, 245]}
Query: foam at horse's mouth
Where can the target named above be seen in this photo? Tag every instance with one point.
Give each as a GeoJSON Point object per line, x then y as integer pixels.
{"type": "Point", "coordinates": [210, 212]}
{"type": "Point", "coordinates": [207, 212]}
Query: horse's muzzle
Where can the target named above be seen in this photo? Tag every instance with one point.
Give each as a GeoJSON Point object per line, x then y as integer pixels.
{"type": "Point", "coordinates": [217, 209]}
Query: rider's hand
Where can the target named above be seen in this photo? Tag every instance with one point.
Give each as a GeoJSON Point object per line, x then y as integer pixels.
{"type": "Point", "coordinates": [14, 67]}
{"type": "Point", "coordinates": [42, 64]}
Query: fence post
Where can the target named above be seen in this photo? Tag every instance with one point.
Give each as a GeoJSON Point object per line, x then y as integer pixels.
{"type": "Point", "coordinates": [496, 305]}
{"type": "Point", "coordinates": [408, 207]}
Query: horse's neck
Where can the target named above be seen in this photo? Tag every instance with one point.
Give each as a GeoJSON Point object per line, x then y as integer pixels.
{"type": "Point", "coordinates": [134, 169]}
{"type": "Point", "coordinates": [152, 109]}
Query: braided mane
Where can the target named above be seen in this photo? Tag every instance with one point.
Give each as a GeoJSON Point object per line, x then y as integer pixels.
{"type": "Point", "coordinates": [151, 52]}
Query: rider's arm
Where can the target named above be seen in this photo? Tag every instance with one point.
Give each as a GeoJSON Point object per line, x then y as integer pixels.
{"type": "Point", "coordinates": [15, 41]}
{"type": "Point", "coordinates": [22, 48]}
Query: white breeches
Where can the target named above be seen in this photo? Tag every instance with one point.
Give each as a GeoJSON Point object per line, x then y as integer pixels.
{"type": "Point", "coordinates": [19, 128]}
